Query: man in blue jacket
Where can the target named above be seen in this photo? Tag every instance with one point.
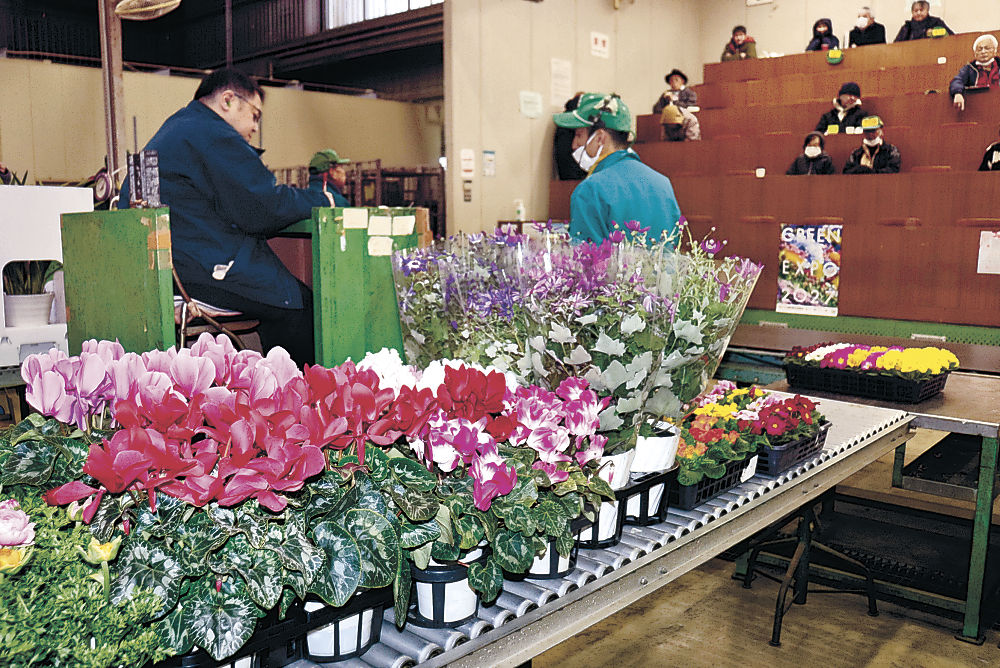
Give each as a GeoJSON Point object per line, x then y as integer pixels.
{"type": "Point", "coordinates": [224, 203]}
{"type": "Point", "coordinates": [619, 188]}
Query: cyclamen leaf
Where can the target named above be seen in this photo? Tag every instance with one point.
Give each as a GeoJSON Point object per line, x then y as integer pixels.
{"type": "Point", "coordinates": [220, 622]}
{"type": "Point", "coordinates": [551, 516]}
{"type": "Point", "coordinates": [469, 532]}
{"type": "Point", "coordinates": [401, 586]}
{"type": "Point", "coordinates": [422, 555]}
{"type": "Point", "coordinates": [565, 543]}
{"type": "Point", "coordinates": [379, 545]}
{"type": "Point", "coordinates": [415, 535]}
{"type": "Point", "coordinates": [417, 506]}
{"type": "Point", "coordinates": [172, 631]}
{"type": "Point", "coordinates": [341, 574]}
{"type": "Point", "coordinates": [144, 566]}
{"type": "Point", "coordinates": [525, 493]}
{"type": "Point", "coordinates": [487, 579]}
{"type": "Point", "coordinates": [518, 518]}
{"type": "Point", "coordinates": [260, 569]}
{"type": "Point", "coordinates": [444, 551]}
{"type": "Point", "coordinates": [513, 551]}
{"type": "Point", "coordinates": [299, 553]}
{"type": "Point", "coordinates": [196, 539]}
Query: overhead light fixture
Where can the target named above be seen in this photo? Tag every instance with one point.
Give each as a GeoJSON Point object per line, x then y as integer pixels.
{"type": "Point", "coordinates": [144, 10]}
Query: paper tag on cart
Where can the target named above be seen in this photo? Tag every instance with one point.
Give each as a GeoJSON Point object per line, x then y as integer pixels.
{"type": "Point", "coordinates": [750, 470]}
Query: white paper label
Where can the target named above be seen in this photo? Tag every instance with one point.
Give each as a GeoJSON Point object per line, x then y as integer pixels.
{"type": "Point", "coordinates": [467, 161]}
{"type": "Point", "coordinates": [599, 45]}
{"type": "Point", "coordinates": [562, 81]}
{"type": "Point", "coordinates": [379, 246]}
{"type": "Point", "coordinates": [942, 60]}
{"type": "Point", "coordinates": [750, 470]}
{"type": "Point", "coordinates": [989, 253]}
{"type": "Point", "coordinates": [355, 219]}
{"type": "Point", "coordinates": [380, 226]}
{"type": "Point", "coordinates": [403, 224]}
{"type": "Point", "coordinates": [531, 103]}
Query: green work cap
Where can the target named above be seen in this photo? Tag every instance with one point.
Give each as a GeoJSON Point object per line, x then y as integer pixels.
{"type": "Point", "coordinates": [608, 109]}
{"type": "Point", "coordinates": [325, 159]}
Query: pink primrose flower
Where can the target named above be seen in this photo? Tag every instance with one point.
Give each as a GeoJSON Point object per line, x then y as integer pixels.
{"type": "Point", "coordinates": [15, 528]}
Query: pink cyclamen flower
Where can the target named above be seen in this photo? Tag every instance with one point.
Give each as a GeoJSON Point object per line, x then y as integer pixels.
{"type": "Point", "coordinates": [616, 236]}
{"type": "Point", "coordinates": [492, 477]}
{"type": "Point", "coordinates": [711, 246]}
{"type": "Point", "coordinates": [594, 448]}
{"type": "Point", "coordinates": [15, 528]}
{"type": "Point", "coordinates": [555, 475]}
{"type": "Point", "coordinates": [571, 388]}
{"type": "Point", "coordinates": [550, 443]}
{"type": "Point", "coordinates": [636, 226]}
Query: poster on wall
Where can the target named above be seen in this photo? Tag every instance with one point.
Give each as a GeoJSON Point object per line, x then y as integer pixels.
{"type": "Point", "coordinates": [809, 269]}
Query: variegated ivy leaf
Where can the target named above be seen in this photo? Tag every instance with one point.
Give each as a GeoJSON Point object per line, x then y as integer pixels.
{"type": "Point", "coordinates": [614, 376]}
{"type": "Point", "coordinates": [144, 566]}
{"type": "Point", "coordinates": [687, 330]}
{"type": "Point", "coordinates": [638, 369]}
{"type": "Point", "coordinates": [609, 419]}
{"type": "Point", "coordinates": [561, 334]}
{"type": "Point", "coordinates": [632, 323]}
{"type": "Point", "coordinates": [222, 621]}
{"type": "Point", "coordinates": [578, 356]}
{"type": "Point", "coordinates": [628, 405]}
{"type": "Point", "coordinates": [537, 342]}
{"type": "Point", "coordinates": [341, 574]}
{"type": "Point", "coordinates": [605, 344]}
{"type": "Point", "coordinates": [588, 319]}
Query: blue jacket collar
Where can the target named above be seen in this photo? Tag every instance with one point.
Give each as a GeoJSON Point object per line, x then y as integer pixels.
{"type": "Point", "coordinates": [614, 158]}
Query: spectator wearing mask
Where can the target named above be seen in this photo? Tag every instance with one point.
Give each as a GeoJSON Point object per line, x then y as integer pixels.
{"type": "Point", "coordinates": [846, 112]}
{"type": "Point", "coordinates": [562, 148]}
{"type": "Point", "coordinates": [678, 124]}
{"type": "Point", "coordinates": [678, 92]}
{"type": "Point", "coordinates": [982, 72]}
{"type": "Point", "coordinates": [991, 159]}
{"type": "Point", "coordinates": [921, 24]}
{"type": "Point", "coordinates": [823, 38]}
{"type": "Point", "coordinates": [865, 30]}
{"type": "Point", "coordinates": [740, 47]}
{"type": "Point", "coordinates": [6, 176]}
{"type": "Point", "coordinates": [813, 159]}
{"type": "Point", "coordinates": [875, 156]}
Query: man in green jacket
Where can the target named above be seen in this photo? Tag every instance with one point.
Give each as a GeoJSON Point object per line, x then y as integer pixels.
{"type": "Point", "coordinates": [619, 188]}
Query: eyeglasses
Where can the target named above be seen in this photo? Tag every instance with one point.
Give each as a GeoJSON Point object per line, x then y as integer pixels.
{"type": "Point", "coordinates": [257, 112]}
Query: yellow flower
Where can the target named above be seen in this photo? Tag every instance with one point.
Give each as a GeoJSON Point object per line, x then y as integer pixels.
{"type": "Point", "coordinates": [13, 559]}
{"type": "Point", "coordinates": [98, 551]}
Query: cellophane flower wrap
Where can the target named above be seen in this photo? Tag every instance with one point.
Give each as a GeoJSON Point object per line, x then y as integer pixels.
{"type": "Point", "coordinates": [910, 363]}
{"type": "Point", "coordinates": [729, 424]}
{"type": "Point", "coordinates": [646, 324]}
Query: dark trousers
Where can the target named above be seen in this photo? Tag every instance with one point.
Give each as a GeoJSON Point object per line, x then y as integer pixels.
{"type": "Point", "coordinates": [292, 329]}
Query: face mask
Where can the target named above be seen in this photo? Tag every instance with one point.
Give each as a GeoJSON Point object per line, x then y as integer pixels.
{"type": "Point", "coordinates": [812, 151]}
{"type": "Point", "coordinates": [586, 161]}
{"type": "Point", "coordinates": [872, 142]}
{"type": "Point", "coordinates": [861, 23]}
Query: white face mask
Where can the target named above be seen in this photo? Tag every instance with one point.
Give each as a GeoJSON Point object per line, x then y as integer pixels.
{"type": "Point", "coordinates": [861, 23]}
{"type": "Point", "coordinates": [583, 159]}
{"type": "Point", "coordinates": [812, 151]}
{"type": "Point", "coordinates": [872, 142]}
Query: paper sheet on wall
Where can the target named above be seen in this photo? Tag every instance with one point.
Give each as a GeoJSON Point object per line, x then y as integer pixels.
{"type": "Point", "coordinates": [989, 253]}
{"type": "Point", "coordinates": [380, 226]}
{"type": "Point", "coordinates": [379, 246]}
{"type": "Point", "coordinates": [561, 72]}
{"type": "Point", "coordinates": [355, 219]}
{"type": "Point", "coordinates": [600, 45]}
{"type": "Point", "coordinates": [531, 103]}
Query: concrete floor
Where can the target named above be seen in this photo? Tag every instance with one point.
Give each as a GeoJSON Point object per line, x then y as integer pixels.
{"type": "Point", "coordinates": [707, 619]}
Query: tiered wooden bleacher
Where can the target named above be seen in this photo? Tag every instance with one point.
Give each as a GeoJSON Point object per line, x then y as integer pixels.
{"type": "Point", "coordinates": [911, 240]}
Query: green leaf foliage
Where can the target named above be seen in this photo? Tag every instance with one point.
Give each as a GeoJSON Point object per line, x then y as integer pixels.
{"type": "Point", "coordinates": [341, 572]}
{"type": "Point", "coordinates": [149, 567]}
{"type": "Point", "coordinates": [220, 622]}
{"type": "Point", "coordinates": [417, 506]}
{"type": "Point", "coordinates": [415, 535]}
{"type": "Point", "coordinates": [513, 552]}
{"type": "Point", "coordinates": [486, 578]}
{"type": "Point", "coordinates": [379, 545]}
{"type": "Point", "coordinates": [298, 553]}
{"type": "Point", "coordinates": [401, 586]}
{"type": "Point", "coordinates": [260, 570]}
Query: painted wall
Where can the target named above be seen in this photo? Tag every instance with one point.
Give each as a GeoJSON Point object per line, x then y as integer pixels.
{"type": "Point", "coordinates": [785, 26]}
{"type": "Point", "coordinates": [52, 121]}
{"type": "Point", "coordinates": [496, 48]}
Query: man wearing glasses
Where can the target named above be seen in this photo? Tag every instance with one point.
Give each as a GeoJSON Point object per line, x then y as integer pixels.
{"type": "Point", "coordinates": [224, 203]}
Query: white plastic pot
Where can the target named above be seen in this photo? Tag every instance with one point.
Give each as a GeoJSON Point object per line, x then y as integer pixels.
{"type": "Point", "coordinates": [655, 453]}
{"type": "Point", "coordinates": [27, 310]}
{"type": "Point", "coordinates": [615, 469]}
{"type": "Point", "coordinates": [447, 582]}
{"type": "Point", "coordinates": [634, 507]}
{"type": "Point", "coordinates": [324, 641]}
{"type": "Point", "coordinates": [606, 523]}
{"type": "Point", "coordinates": [542, 564]}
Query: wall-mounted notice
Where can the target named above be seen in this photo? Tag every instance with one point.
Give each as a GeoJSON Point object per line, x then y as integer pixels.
{"type": "Point", "coordinates": [531, 103]}
{"type": "Point", "coordinates": [562, 82]}
{"type": "Point", "coordinates": [600, 45]}
{"type": "Point", "coordinates": [989, 253]}
{"type": "Point", "coordinates": [467, 159]}
{"type": "Point", "coordinates": [489, 163]}
{"type": "Point", "coordinates": [809, 269]}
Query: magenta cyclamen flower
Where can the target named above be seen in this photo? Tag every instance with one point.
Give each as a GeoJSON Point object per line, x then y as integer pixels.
{"type": "Point", "coordinates": [492, 477]}
{"type": "Point", "coordinates": [616, 236]}
{"type": "Point", "coordinates": [636, 226]}
{"type": "Point", "coordinates": [711, 246]}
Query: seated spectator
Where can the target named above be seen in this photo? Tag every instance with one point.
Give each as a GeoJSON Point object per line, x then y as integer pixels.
{"type": "Point", "coordinates": [991, 159]}
{"type": "Point", "coordinates": [678, 124]}
{"type": "Point", "coordinates": [846, 112]}
{"type": "Point", "coordinates": [814, 159]}
{"type": "Point", "coordinates": [678, 92]}
{"type": "Point", "coordinates": [875, 155]}
{"type": "Point", "coordinates": [982, 72]}
{"type": "Point", "coordinates": [823, 37]}
{"type": "Point", "coordinates": [562, 148]}
{"type": "Point", "coordinates": [921, 24]}
{"type": "Point", "coordinates": [865, 30]}
{"type": "Point", "coordinates": [740, 47]}
{"type": "Point", "coordinates": [6, 176]}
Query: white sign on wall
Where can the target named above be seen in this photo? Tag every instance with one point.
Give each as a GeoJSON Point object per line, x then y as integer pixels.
{"type": "Point", "coordinates": [989, 253]}
{"type": "Point", "coordinates": [600, 45]}
{"type": "Point", "coordinates": [531, 103]}
{"type": "Point", "coordinates": [562, 82]}
{"type": "Point", "coordinates": [467, 159]}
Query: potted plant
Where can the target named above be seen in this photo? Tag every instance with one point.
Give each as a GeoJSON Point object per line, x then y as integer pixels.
{"type": "Point", "coordinates": [26, 304]}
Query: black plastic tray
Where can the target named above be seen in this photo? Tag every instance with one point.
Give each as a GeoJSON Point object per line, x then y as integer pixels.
{"type": "Point", "coordinates": [687, 497]}
{"type": "Point", "coordinates": [780, 458]}
{"type": "Point", "coordinates": [864, 384]}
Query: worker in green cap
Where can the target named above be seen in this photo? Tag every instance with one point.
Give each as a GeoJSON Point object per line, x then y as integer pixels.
{"type": "Point", "coordinates": [327, 175]}
{"type": "Point", "coordinates": [618, 188]}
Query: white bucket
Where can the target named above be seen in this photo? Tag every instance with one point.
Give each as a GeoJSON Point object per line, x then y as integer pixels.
{"type": "Point", "coordinates": [542, 566]}
{"type": "Point", "coordinates": [27, 310]}
{"type": "Point", "coordinates": [634, 507]}
{"type": "Point", "coordinates": [655, 453]}
{"type": "Point", "coordinates": [615, 469]}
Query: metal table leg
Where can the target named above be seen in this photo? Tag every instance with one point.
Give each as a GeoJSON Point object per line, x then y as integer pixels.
{"type": "Point", "coordinates": [971, 631]}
